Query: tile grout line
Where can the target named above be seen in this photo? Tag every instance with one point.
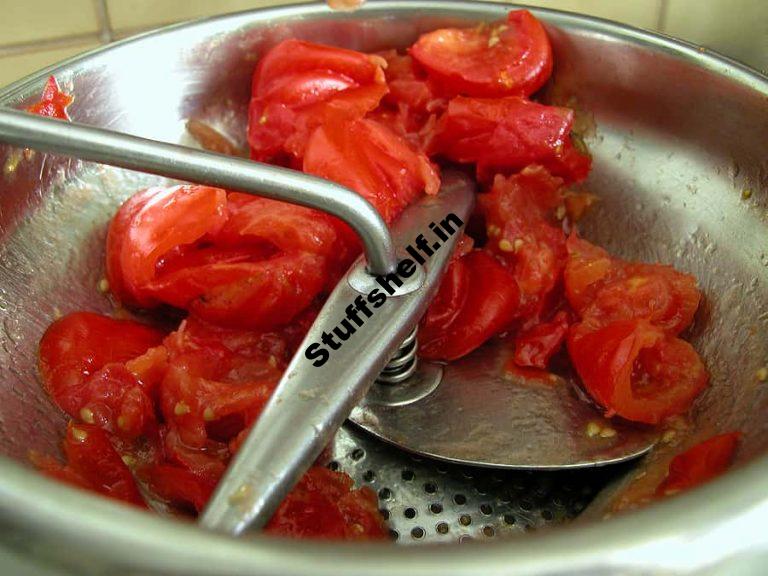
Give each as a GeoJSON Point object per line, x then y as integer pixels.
{"type": "Point", "coordinates": [48, 44]}
{"type": "Point", "coordinates": [102, 15]}
{"type": "Point", "coordinates": [661, 22]}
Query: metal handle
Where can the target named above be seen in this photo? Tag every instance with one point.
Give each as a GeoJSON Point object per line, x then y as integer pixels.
{"type": "Point", "coordinates": [313, 399]}
{"type": "Point", "coordinates": [132, 152]}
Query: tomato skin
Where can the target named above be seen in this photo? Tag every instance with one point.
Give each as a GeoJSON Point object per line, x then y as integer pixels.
{"type": "Point", "coordinates": [178, 486]}
{"type": "Point", "coordinates": [324, 505]}
{"type": "Point", "coordinates": [53, 102]}
{"type": "Point", "coordinates": [491, 304]}
{"type": "Point", "coordinates": [636, 371]}
{"type": "Point", "coordinates": [374, 162]}
{"type": "Point", "coordinates": [536, 346]}
{"type": "Point", "coordinates": [76, 347]}
{"type": "Point", "coordinates": [94, 464]}
{"type": "Point", "coordinates": [503, 59]}
{"type": "Point", "coordinates": [508, 134]}
{"type": "Point", "coordinates": [299, 85]}
{"type": "Point", "coordinates": [149, 225]}
{"type": "Point", "coordinates": [700, 463]}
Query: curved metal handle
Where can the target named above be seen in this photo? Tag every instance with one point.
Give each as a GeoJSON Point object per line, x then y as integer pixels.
{"type": "Point", "coordinates": [135, 153]}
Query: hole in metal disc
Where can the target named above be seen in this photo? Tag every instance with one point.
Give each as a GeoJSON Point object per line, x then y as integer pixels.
{"type": "Point", "coordinates": [509, 519]}
{"type": "Point", "coordinates": [465, 519]}
{"type": "Point", "coordinates": [333, 465]}
{"type": "Point", "coordinates": [394, 535]}
{"type": "Point", "coordinates": [489, 531]}
{"type": "Point", "coordinates": [358, 454]}
{"type": "Point", "coordinates": [369, 476]}
{"type": "Point", "coordinates": [410, 513]}
{"type": "Point", "coordinates": [385, 494]}
{"type": "Point", "coordinates": [486, 509]}
{"type": "Point", "coordinates": [430, 488]}
{"type": "Point", "coordinates": [407, 475]}
{"type": "Point", "coordinates": [442, 528]}
{"type": "Point", "coordinates": [460, 499]}
{"type": "Point", "coordinates": [417, 532]}
{"type": "Point", "coordinates": [436, 508]}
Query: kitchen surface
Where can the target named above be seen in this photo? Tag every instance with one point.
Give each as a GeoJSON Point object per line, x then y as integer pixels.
{"type": "Point", "coordinates": [36, 33]}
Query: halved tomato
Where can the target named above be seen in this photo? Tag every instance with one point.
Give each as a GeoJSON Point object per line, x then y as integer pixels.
{"type": "Point", "coordinates": [512, 58]}
{"type": "Point", "coordinates": [298, 85]}
{"type": "Point", "coordinates": [507, 134]}
{"type": "Point", "coordinates": [491, 304]}
{"type": "Point", "coordinates": [373, 161]}
{"type": "Point", "coordinates": [636, 371]}
{"type": "Point", "coordinates": [700, 463]}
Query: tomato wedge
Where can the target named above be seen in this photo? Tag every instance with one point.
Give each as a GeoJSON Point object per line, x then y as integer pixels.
{"type": "Point", "coordinates": [636, 371]}
{"type": "Point", "coordinates": [501, 59]}
{"type": "Point", "coordinates": [298, 85]}
{"type": "Point", "coordinates": [374, 162]}
{"type": "Point", "coordinates": [700, 463]}
{"type": "Point", "coordinates": [507, 134]}
{"type": "Point", "coordinates": [490, 305]}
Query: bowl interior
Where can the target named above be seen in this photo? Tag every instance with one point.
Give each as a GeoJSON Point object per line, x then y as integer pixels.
{"type": "Point", "coordinates": [678, 140]}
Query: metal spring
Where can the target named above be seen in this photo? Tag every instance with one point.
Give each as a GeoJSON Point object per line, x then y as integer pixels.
{"type": "Point", "coordinates": [403, 362]}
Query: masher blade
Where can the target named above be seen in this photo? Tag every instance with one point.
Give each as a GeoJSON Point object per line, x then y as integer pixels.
{"type": "Point", "coordinates": [482, 413]}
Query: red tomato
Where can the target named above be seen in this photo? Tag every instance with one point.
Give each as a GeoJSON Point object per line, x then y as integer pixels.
{"type": "Point", "coordinates": [604, 289]}
{"type": "Point", "coordinates": [636, 371]}
{"type": "Point", "coordinates": [80, 357]}
{"type": "Point", "coordinates": [178, 486]}
{"type": "Point", "coordinates": [94, 464]}
{"type": "Point", "coordinates": [535, 346]}
{"type": "Point", "coordinates": [324, 505]}
{"type": "Point", "coordinates": [151, 224]}
{"type": "Point", "coordinates": [374, 162]}
{"type": "Point", "coordinates": [450, 298]}
{"type": "Point", "coordinates": [700, 463]}
{"type": "Point", "coordinates": [502, 59]}
{"type": "Point", "coordinates": [491, 304]}
{"type": "Point", "coordinates": [508, 134]}
{"type": "Point", "coordinates": [524, 233]}
{"type": "Point", "coordinates": [298, 85]}
{"type": "Point", "coordinates": [53, 102]}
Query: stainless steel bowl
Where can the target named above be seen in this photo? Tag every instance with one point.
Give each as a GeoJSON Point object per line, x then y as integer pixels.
{"type": "Point", "coordinates": [679, 140]}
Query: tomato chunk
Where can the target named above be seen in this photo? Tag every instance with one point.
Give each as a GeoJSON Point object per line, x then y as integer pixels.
{"type": "Point", "coordinates": [297, 86]}
{"type": "Point", "coordinates": [80, 364]}
{"type": "Point", "coordinates": [700, 463]}
{"type": "Point", "coordinates": [53, 102]}
{"type": "Point", "coordinates": [636, 371]}
{"type": "Point", "coordinates": [501, 59]}
{"type": "Point", "coordinates": [94, 464]}
{"type": "Point", "coordinates": [535, 346]}
{"type": "Point", "coordinates": [324, 505]}
{"type": "Point", "coordinates": [374, 162]}
{"type": "Point", "coordinates": [507, 134]}
{"type": "Point", "coordinates": [491, 304]}
{"type": "Point", "coordinates": [523, 232]}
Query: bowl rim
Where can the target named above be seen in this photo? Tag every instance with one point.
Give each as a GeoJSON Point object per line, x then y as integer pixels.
{"type": "Point", "coordinates": [695, 530]}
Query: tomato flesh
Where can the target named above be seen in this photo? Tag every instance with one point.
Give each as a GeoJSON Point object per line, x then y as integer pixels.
{"type": "Point", "coordinates": [700, 463]}
{"type": "Point", "coordinates": [53, 102]}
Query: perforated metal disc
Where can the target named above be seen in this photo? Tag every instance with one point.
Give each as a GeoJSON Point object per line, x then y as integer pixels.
{"type": "Point", "coordinates": [428, 501]}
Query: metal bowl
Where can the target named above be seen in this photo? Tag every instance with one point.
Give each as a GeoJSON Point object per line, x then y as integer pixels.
{"type": "Point", "coordinates": [678, 138]}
